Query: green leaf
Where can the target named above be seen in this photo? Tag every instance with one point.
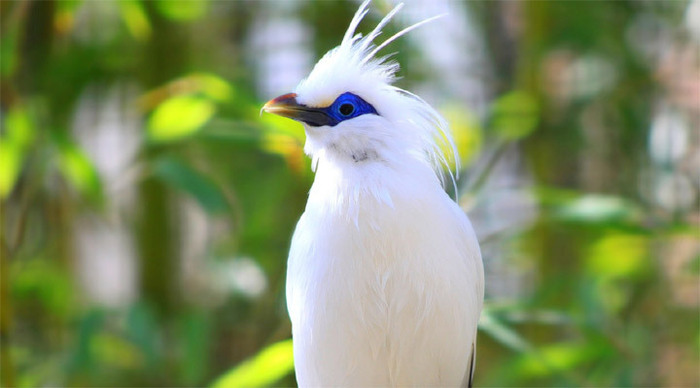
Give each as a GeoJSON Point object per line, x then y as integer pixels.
{"type": "Point", "coordinates": [68, 5]}
{"type": "Point", "coordinates": [45, 282]}
{"type": "Point", "coordinates": [13, 146]}
{"type": "Point", "coordinates": [282, 125]}
{"type": "Point", "coordinates": [515, 115]}
{"type": "Point", "coordinates": [11, 157]}
{"type": "Point", "coordinates": [90, 324]}
{"type": "Point", "coordinates": [263, 370]}
{"type": "Point", "coordinates": [619, 255]}
{"type": "Point", "coordinates": [19, 127]}
{"type": "Point", "coordinates": [212, 86]}
{"type": "Point", "coordinates": [179, 117]}
{"type": "Point", "coordinates": [180, 10]}
{"type": "Point", "coordinates": [79, 170]}
{"type": "Point", "coordinates": [283, 136]}
{"type": "Point", "coordinates": [142, 331]}
{"type": "Point", "coordinates": [594, 208]}
{"type": "Point", "coordinates": [192, 182]}
{"type": "Point", "coordinates": [231, 131]}
{"type": "Point", "coordinates": [466, 131]}
{"type": "Point", "coordinates": [115, 351]}
{"type": "Point", "coordinates": [135, 19]}
{"type": "Point", "coordinates": [553, 359]}
{"type": "Point", "coordinates": [491, 325]}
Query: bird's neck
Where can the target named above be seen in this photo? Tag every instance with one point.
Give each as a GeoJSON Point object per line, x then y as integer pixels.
{"type": "Point", "coordinates": [364, 189]}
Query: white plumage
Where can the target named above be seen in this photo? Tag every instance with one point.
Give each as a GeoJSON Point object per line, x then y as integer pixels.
{"type": "Point", "coordinates": [385, 280]}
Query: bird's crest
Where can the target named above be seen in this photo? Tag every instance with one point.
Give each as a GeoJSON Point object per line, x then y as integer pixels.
{"type": "Point", "coordinates": [355, 66]}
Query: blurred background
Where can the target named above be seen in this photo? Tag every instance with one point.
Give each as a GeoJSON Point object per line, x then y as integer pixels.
{"type": "Point", "coordinates": [147, 207]}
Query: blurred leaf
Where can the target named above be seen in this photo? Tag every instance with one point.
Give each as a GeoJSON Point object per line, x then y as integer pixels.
{"type": "Point", "coordinates": [618, 255]}
{"type": "Point", "coordinates": [180, 10]}
{"type": "Point", "coordinates": [263, 370]}
{"type": "Point", "coordinates": [491, 325]}
{"type": "Point", "coordinates": [114, 351]}
{"type": "Point", "coordinates": [68, 5]}
{"type": "Point", "coordinates": [64, 17]}
{"type": "Point", "coordinates": [610, 295]}
{"type": "Point", "coordinates": [465, 130]}
{"type": "Point", "coordinates": [517, 313]}
{"type": "Point", "coordinates": [195, 85]}
{"type": "Point", "coordinates": [135, 19]}
{"type": "Point", "coordinates": [231, 131]}
{"type": "Point", "coordinates": [553, 359]}
{"type": "Point", "coordinates": [281, 144]}
{"type": "Point", "coordinates": [212, 86]}
{"type": "Point", "coordinates": [593, 208]}
{"type": "Point", "coordinates": [44, 281]}
{"type": "Point", "coordinates": [555, 196]}
{"type": "Point", "coordinates": [515, 115]}
{"type": "Point", "coordinates": [19, 126]}
{"type": "Point", "coordinates": [284, 137]}
{"type": "Point", "coordinates": [142, 330]}
{"type": "Point", "coordinates": [19, 134]}
{"type": "Point", "coordinates": [614, 261]}
{"type": "Point", "coordinates": [192, 182]}
{"type": "Point", "coordinates": [11, 158]}
{"type": "Point", "coordinates": [78, 169]}
{"type": "Point", "coordinates": [179, 117]}
{"type": "Point", "coordinates": [283, 125]}
{"type": "Point", "coordinates": [90, 324]}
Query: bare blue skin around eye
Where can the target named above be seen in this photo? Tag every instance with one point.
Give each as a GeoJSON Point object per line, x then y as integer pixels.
{"type": "Point", "coordinates": [347, 106]}
{"type": "Point", "coordinates": [359, 107]}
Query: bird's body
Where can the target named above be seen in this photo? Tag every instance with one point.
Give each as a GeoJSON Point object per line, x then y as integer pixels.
{"type": "Point", "coordinates": [385, 280]}
{"type": "Point", "coordinates": [382, 293]}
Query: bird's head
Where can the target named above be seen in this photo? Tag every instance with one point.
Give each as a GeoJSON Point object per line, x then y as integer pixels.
{"type": "Point", "coordinates": [353, 114]}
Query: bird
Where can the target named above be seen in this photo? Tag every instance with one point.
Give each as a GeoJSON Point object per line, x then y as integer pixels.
{"type": "Point", "coordinates": [385, 280]}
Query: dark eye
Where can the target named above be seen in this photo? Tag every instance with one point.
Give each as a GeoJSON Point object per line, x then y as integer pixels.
{"type": "Point", "coordinates": [346, 109]}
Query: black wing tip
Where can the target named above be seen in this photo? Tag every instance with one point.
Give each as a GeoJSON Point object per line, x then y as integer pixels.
{"type": "Point", "coordinates": [471, 368]}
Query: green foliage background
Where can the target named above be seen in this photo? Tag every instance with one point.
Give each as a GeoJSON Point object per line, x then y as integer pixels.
{"type": "Point", "coordinates": [612, 272]}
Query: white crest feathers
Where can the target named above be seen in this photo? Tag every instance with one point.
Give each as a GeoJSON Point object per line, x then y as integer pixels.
{"type": "Point", "coordinates": [354, 66]}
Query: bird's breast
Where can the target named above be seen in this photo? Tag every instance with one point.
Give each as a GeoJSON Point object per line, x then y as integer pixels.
{"type": "Point", "coordinates": [382, 295]}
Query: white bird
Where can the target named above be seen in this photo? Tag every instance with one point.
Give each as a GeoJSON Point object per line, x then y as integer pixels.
{"type": "Point", "coordinates": [385, 282]}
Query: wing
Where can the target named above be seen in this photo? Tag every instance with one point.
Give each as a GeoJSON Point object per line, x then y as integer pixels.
{"type": "Point", "coordinates": [469, 378]}
{"type": "Point", "coordinates": [478, 267]}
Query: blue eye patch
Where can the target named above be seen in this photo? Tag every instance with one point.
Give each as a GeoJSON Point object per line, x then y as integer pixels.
{"type": "Point", "coordinates": [345, 107]}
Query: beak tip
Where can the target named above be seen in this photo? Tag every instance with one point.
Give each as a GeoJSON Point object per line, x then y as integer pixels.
{"type": "Point", "coordinates": [280, 105]}
{"type": "Point", "coordinates": [266, 106]}
{"type": "Point", "coordinates": [283, 99]}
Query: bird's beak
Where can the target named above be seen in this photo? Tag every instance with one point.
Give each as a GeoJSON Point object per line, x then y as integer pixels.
{"type": "Point", "coordinates": [286, 105]}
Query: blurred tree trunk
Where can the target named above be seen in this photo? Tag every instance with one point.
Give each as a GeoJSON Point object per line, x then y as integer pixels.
{"type": "Point", "coordinates": [165, 58]}
{"type": "Point", "coordinates": [7, 372]}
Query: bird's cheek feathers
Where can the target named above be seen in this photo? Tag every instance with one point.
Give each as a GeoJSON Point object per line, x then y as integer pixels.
{"type": "Point", "coordinates": [355, 139]}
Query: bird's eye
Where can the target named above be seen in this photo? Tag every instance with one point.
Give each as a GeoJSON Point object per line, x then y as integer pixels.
{"type": "Point", "coordinates": [347, 106]}
{"type": "Point", "coordinates": [346, 109]}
